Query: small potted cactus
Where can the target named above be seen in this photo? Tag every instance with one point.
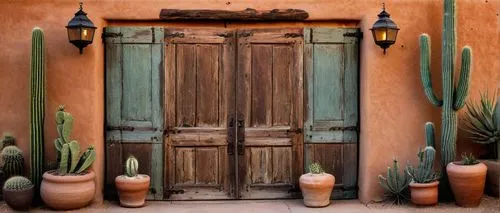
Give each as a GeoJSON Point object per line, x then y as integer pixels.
{"type": "Point", "coordinates": [71, 185]}
{"type": "Point", "coordinates": [467, 180]}
{"type": "Point", "coordinates": [18, 193]}
{"type": "Point", "coordinates": [132, 187]}
{"type": "Point", "coordinates": [424, 184]}
{"type": "Point", "coordinates": [316, 186]}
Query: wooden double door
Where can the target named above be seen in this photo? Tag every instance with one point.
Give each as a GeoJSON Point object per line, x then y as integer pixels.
{"type": "Point", "coordinates": [233, 101]}
{"type": "Point", "coordinates": [220, 113]}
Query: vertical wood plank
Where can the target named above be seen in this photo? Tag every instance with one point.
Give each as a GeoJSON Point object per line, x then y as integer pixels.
{"type": "Point", "coordinates": [351, 55]}
{"type": "Point", "coordinates": [328, 77]}
{"type": "Point", "coordinates": [186, 85]}
{"type": "Point", "coordinates": [350, 166]}
{"type": "Point", "coordinates": [207, 89]}
{"type": "Point", "coordinates": [262, 71]}
{"type": "Point", "coordinates": [282, 164]}
{"type": "Point", "coordinates": [170, 85]}
{"type": "Point", "coordinates": [207, 166]}
{"type": "Point", "coordinates": [261, 166]}
{"type": "Point", "coordinates": [113, 83]}
{"type": "Point", "coordinates": [185, 165]}
{"type": "Point", "coordinates": [282, 85]}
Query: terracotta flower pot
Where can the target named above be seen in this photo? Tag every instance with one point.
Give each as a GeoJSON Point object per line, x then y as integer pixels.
{"type": "Point", "coordinates": [67, 192]}
{"type": "Point", "coordinates": [316, 189]}
{"type": "Point", "coordinates": [424, 193]}
{"type": "Point", "coordinates": [132, 190]}
{"type": "Point", "coordinates": [467, 182]}
{"type": "Point", "coordinates": [18, 199]}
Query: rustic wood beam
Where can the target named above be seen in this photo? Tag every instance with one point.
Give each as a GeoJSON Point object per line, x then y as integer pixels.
{"type": "Point", "coordinates": [248, 14]}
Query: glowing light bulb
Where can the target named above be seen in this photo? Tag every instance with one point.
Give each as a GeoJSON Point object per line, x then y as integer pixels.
{"type": "Point", "coordinates": [84, 33]}
{"type": "Point", "coordinates": [384, 36]}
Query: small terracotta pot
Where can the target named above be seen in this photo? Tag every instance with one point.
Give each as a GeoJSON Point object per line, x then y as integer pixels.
{"type": "Point", "coordinates": [467, 182]}
{"type": "Point", "coordinates": [316, 189]}
{"type": "Point", "coordinates": [18, 199]}
{"type": "Point", "coordinates": [424, 193]}
{"type": "Point", "coordinates": [67, 192]}
{"type": "Point", "coordinates": [132, 190]}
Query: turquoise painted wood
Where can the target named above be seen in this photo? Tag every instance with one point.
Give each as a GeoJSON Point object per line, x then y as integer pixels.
{"type": "Point", "coordinates": [134, 114]}
{"type": "Point", "coordinates": [331, 121]}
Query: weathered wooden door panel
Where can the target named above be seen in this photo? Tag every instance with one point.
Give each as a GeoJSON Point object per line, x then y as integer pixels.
{"type": "Point", "coordinates": [269, 112]}
{"type": "Point", "coordinates": [331, 138]}
{"type": "Point", "coordinates": [134, 124]}
{"type": "Point", "coordinates": [199, 99]}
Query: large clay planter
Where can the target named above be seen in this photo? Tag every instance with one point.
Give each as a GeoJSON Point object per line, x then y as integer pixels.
{"type": "Point", "coordinates": [132, 190]}
{"type": "Point", "coordinates": [67, 192]}
{"type": "Point", "coordinates": [493, 177]}
{"type": "Point", "coordinates": [424, 194]}
{"type": "Point", "coordinates": [467, 182]}
{"type": "Point", "coordinates": [18, 199]}
{"type": "Point", "coordinates": [316, 189]}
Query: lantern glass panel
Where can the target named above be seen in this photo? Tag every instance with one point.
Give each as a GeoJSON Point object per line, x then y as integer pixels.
{"type": "Point", "coordinates": [392, 34]}
{"type": "Point", "coordinates": [380, 34]}
{"type": "Point", "coordinates": [74, 34]}
{"type": "Point", "coordinates": [87, 34]}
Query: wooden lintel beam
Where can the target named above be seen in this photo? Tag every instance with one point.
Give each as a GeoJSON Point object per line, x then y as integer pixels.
{"type": "Point", "coordinates": [248, 14]}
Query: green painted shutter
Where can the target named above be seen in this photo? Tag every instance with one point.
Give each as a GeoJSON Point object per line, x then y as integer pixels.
{"type": "Point", "coordinates": [330, 129]}
{"type": "Point", "coordinates": [134, 114]}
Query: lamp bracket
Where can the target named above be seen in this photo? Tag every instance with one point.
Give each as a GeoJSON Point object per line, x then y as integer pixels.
{"type": "Point", "coordinates": [357, 34]}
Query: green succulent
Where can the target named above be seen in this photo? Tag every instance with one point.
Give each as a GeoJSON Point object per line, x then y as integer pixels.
{"type": "Point", "coordinates": [482, 121]}
{"type": "Point", "coordinates": [131, 166]}
{"type": "Point", "coordinates": [395, 184]}
{"type": "Point", "coordinates": [17, 183]}
{"type": "Point", "coordinates": [469, 160]}
{"type": "Point", "coordinates": [315, 168]}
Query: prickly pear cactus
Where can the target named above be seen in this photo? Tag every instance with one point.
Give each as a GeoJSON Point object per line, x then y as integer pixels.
{"type": "Point", "coordinates": [13, 161]}
{"type": "Point", "coordinates": [68, 151]}
{"type": "Point", "coordinates": [131, 167]}
{"type": "Point", "coordinates": [17, 183]}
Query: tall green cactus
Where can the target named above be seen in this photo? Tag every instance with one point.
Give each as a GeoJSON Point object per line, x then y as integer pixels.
{"type": "Point", "coordinates": [13, 161]}
{"type": "Point", "coordinates": [453, 97]}
{"type": "Point", "coordinates": [68, 151]}
{"type": "Point", "coordinates": [37, 107]}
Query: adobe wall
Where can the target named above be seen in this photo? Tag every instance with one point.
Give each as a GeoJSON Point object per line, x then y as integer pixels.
{"type": "Point", "coordinates": [393, 105]}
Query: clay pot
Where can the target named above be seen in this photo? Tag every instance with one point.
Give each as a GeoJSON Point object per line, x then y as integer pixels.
{"type": "Point", "coordinates": [493, 177]}
{"type": "Point", "coordinates": [132, 190]}
{"type": "Point", "coordinates": [67, 192]}
{"type": "Point", "coordinates": [316, 189]}
{"type": "Point", "coordinates": [424, 193]}
{"type": "Point", "coordinates": [18, 199]}
{"type": "Point", "coordinates": [467, 182]}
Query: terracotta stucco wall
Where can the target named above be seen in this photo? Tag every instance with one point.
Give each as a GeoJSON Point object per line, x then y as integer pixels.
{"type": "Point", "coordinates": [393, 106]}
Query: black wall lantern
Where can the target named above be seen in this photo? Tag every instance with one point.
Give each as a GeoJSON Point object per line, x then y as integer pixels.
{"type": "Point", "coordinates": [384, 30]}
{"type": "Point", "coordinates": [80, 30]}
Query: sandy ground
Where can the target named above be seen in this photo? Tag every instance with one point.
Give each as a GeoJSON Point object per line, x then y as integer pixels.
{"type": "Point", "coordinates": [488, 205]}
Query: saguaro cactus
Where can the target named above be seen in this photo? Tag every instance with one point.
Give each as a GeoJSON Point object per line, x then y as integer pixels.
{"type": "Point", "coordinates": [37, 108]}
{"type": "Point", "coordinates": [453, 96]}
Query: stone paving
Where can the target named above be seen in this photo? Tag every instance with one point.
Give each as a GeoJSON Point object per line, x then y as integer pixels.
{"type": "Point", "coordinates": [488, 205]}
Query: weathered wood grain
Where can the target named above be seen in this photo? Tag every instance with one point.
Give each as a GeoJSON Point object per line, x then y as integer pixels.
{"type": "Point", "coordinates": [261, 84]}
{"type": "Point", "coordinates": [207, 88]}
{"type": "Point", "coordinates": [186, 85]}
{"type": "Point", "coordinates": [246, 15]}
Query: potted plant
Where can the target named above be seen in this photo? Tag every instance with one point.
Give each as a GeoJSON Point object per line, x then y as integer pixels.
{"type": "Point", "coordinates": [18, 193]}
{"type": "Point", "coordinates": [467, 180]}
{"type": "Point", "coordinates": [424, 184]}
{"type": "Point", "coordinates": [70, 186]}
{"type": "Point", "coordinates": [482, 121]}
{"type": "Point", "coordinates": [395, 184]}
{"type": "Point", "coordinates": [132, 187]}
{"type": "Point", "coordinates": [316, 186]}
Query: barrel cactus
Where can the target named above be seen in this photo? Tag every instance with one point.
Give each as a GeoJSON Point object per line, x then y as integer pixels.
{"type": "Point", "coordinates": [68, 151]}
{"type": "Point", "coordinates": [8, 140]}
{"type": "Point", "coordinates": [37, 107]}
{"type": "Point", "coordinates": [424, 172]}
{"type": "Point", "coordinates": [13, 161]}
{"type": "Point", "coordinates": [131, 167]}
{"type": "Point", "coordinates": [17, 183]}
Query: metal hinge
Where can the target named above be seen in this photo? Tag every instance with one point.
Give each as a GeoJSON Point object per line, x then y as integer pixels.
{"type": "Point", "coordinates": [168, 192]}
{"type": "Point", "coordinates": [357, 34]}
{"type": "Point", "coordinates": [344, 128]}
{"type": "Point", "coordinates": [245, 34]}
{"type": "Point", "coordinates": [111, 35]}
{"type": "Point", "coordinates": [173, 35]}
{"type": "Point", "coordinates": [293, 35]}
{"type": "Point", "coordinates": [225, 35]}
